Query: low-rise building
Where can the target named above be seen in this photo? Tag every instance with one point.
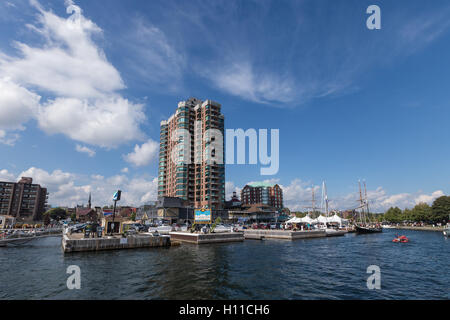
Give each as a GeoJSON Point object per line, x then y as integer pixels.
{"type": "Point", "coordinates": [262, 193]}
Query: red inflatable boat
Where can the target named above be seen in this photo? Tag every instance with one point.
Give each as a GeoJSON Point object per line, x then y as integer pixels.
{"type": "Point", "coordinates": [402, 239]}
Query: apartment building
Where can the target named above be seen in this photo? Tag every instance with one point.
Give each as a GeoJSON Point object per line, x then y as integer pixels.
{"type": "Point", "coordinates": [191, 158]}
{"type": "Point", "coordinates": [262, 193]}
{"type": "Point", "coordinates": [23, 200]}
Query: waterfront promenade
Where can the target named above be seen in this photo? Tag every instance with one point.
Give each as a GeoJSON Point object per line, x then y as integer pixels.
{"type": "Point", "coordinates": [438, 229]}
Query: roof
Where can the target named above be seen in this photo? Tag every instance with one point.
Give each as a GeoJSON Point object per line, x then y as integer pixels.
{"type": "Point", "coordinates": [260, 184]}
{"type": "Point", "coordinates": [86, 211]}
{"type": "Point", "coordinates": [258, 207]}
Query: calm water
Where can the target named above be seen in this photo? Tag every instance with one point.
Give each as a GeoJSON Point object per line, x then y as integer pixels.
{"type": "Point", "coordinates": [328, 268]}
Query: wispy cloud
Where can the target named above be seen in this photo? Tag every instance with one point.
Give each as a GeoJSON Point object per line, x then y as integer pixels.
{"type": "Point", "coordinates": [153, 56]}
{"type": "Point", "coordinates": [83, 149]}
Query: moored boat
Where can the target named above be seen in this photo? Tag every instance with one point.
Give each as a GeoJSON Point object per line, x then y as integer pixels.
{"type": "Point", "coordinates": [367, 229]}
{"type": "Point", "coordinates": [365, 225]}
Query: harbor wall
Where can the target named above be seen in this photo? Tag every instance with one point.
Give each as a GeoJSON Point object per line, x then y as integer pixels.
{"type": "Point", "coordinates": [283, 234]}
{"type": "Point", "coordinates": [199, 238]}
{"type": "Point", "coordinates": [439, 229]}
{"type": "Point", "coordinates": [130, 242]}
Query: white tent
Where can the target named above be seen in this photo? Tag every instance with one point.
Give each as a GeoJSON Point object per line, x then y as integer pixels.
{"type": "Point", "coordinates": [294, 220]}
{"type": "Point", "coordinates": [337, 219]}
{"type": "Point", "coordinates": [307, 219]}
{"type": "Point", "coordinates": [322, 219]}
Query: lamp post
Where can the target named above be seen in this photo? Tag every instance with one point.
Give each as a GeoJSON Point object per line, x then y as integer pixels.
{"type": "Point", "coordinates": [116, 198]}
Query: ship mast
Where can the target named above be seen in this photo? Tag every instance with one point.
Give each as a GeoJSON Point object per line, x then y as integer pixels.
{"type": "Point", "coordinates": [313, 200]}
{"type": "Point", "coordinates": [361, 202]}
{"type": "Point", "coordinates": [325, 197]}
{"type": "Point", "coordinates": [367, 201]}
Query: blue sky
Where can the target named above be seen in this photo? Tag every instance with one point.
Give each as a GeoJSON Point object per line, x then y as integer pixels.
{"type": "Point", "coordinates": [80, 104]}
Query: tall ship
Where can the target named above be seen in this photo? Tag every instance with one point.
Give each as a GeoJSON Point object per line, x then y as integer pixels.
{"type": "Point", "coordinates": [363, 223]}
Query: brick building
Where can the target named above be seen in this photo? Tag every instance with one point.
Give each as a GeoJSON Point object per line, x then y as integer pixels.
{"type": "Point", "coordinates": [23, 200]}
{"type": "Point", "coordinates": [263, 193]}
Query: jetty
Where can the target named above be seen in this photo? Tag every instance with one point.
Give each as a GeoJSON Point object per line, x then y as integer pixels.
{"type": "Point", "coordinates": [439, 229]}
{"type": "Point", "coordinates": [77, 243]}
{"type": "Point", "coordinates": [258, 234]}
{"type": "Point", "coordinates": [18, 236]}
{"type": "Point", "coordinates": [203, 238]}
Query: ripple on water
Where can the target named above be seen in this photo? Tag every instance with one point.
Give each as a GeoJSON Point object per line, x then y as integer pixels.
{"type": "Point", "coordinates": [326, 268]}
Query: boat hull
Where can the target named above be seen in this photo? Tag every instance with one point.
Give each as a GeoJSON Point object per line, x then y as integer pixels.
{"type": "Point", "coordinates": [364, 230]}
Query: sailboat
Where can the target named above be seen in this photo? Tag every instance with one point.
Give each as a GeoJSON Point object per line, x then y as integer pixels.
{"type": "Point", "coordinates": [364, 225]}
{"type": "Point", "coordinates": [330, 232]}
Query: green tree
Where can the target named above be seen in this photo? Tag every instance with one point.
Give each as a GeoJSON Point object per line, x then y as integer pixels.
{"type": "Point", "coordinates": [73, 217]}
{"type": "Point", "coordinates": [440, 209]}
{"type": "Point", "coordinates": [421, 212]}
{"type": "Point", "coordinates": [46, 219]}
{"type": "Point", "coordinates": [56, 213]}
{"type": "Point", "coordinates": [393, 215]}
{"type": "Point", "coordinates": [133, 216]}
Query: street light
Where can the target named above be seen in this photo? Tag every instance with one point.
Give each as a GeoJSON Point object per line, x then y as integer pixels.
{"type": "Point", "coordinates": [116, 198]}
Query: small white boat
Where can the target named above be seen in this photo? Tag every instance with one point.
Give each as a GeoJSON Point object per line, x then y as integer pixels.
{"type": "Point", "coordinates": [221, 228]}
{"type": "Point", "coordinates": [164, 229]}
{"type": "Point", "coordinates": [386, 226]}
{"type": "Point", "coordinates": [330, 232]}
{"type": "Point", "coordinates": [446, 231]}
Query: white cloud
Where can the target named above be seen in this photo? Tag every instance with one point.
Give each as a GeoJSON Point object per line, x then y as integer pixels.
{"type": "Point", "coordinates": [84, 104]}
{"type": "Point", "coordinates": [84, 149]}
{"type": "Point", "coordinates": [17, 106]}
{"type": "Point", "coordinates": [230, 187]}
{"type": "Point", "coordinates": [153, 56]}
{"type": "Point", "coordinates": [240, 79]}
{"type": "Point", "coordinates": [46, 179]}
{"type": "Point", "coordinates": [70, 63]}
{"type": "Point", "coordinates": [297, 196]}
{"type": "Point", "coordinates": [107, 122]}
{"type": "Point", "coordinates": [124, 170]}
{"type": "Point", "coordinates": [8, 138]}
{"type": "Point", "coordinates": [142, 155]}
{"type": "Point", "coordinates": [425, 198]}
{"type": "Point", "coordinates": [69, 189]}
{"type": "Point", "coordinates": [380, 200]}
{"type": "Point", "coordinates": [7, 176]}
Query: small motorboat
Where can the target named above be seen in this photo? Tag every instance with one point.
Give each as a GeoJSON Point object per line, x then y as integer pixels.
{"type": "Point", "coordinates": [402, 239]}
{"type": "Point", "coordinates": [446, 231]}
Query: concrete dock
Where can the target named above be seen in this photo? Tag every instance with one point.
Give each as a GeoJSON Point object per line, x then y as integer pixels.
{"type": "Point", "coordinates": [438, 229]}
{"type": "Point", "coordinates": [283, 234]}
{"type": "Point", "coordinates": [76, 242]}
{"type": "Point", "coordinates": [200, 238]}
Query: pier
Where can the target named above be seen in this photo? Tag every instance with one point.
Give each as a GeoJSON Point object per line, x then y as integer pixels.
{"type": "Point", "coordinates": [76, 242]}
{"type": "Point", "coordinates": [439, 229]}
{"type": "Point", "coordinates": [21, 237]}
{"type": "Point", "coordinates": [201, 238]}
{"type": "Point", "coordinates": [283, 234]}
